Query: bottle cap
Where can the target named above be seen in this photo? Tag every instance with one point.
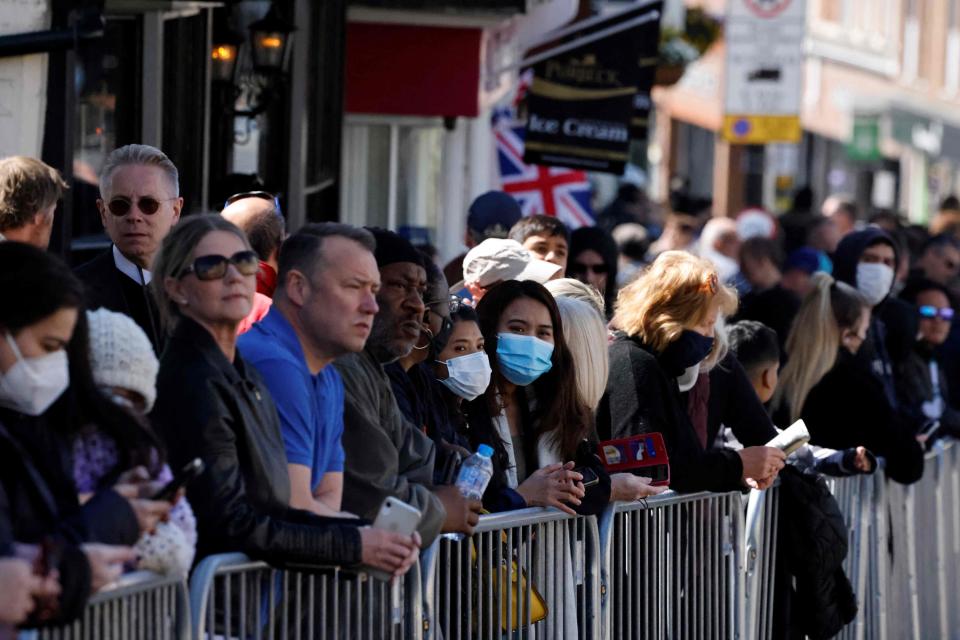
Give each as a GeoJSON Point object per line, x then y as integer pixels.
{"type": "Point", "coordinates": [485, 450]}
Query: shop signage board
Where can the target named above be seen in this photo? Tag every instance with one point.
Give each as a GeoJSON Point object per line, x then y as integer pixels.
{"type": "Point", "coordinates": [764, 70]}
{"type": "Point", "coordinates": [864, 144]}
{"type": "Point", "coordinates": [580, 104]}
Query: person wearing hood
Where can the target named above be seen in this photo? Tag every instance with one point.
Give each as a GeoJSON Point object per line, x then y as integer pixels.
{"type": "Point", "coordinates": [867, 260]}
{"type": "Point", "coordinates": [667, 320]}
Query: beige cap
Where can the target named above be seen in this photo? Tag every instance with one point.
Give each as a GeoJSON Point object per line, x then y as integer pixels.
{"type": "Point", "coordinates": [496, 260]}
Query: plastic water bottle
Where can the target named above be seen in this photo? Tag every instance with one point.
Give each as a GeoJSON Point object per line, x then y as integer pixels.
{"type": "Point", "coordinates": [474, 476]}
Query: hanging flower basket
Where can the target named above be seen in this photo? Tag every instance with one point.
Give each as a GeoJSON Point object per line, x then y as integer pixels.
{"type": "Point", "coordinates": [681, 47]}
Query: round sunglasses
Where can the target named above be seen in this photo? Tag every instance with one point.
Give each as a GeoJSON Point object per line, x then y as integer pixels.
{"type": "Point", "coordinates": [214, 267]}
{"type": "Point", "coordinates": [147, 204]}
{"type": "Point", "coordinates": [929, 311]}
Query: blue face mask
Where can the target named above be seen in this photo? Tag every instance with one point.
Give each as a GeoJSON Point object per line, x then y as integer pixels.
{"type": "Point", "coordinates": [523, 359]}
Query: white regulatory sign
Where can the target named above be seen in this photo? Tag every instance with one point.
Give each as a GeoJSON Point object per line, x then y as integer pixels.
{"type": "Point", "coordinates": [764, 41]}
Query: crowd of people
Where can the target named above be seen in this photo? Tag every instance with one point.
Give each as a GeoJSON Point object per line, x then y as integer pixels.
{"type": "Point", "coordinates": [316, 374]}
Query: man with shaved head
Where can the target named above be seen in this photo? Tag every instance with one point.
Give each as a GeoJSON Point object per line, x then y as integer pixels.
{"type": "Point", "coordinates": [258, 214]}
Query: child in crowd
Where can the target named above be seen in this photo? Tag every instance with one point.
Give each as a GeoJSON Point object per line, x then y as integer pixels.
{"type": "Point", "coordinates": [124, 368]}
{"type": "Point", "coordinates": [545, 237]}
{"type": "Point", "coordinates": [757, 349]}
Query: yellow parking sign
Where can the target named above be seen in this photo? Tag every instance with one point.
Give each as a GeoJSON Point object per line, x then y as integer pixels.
{"type": "Point", "coordinates": [761, 129]}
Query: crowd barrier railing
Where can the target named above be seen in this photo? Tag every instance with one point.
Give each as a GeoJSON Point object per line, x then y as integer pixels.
{"type": "Point", "coordinates": [523, 574]}
{"type": "Point", "coordinates": [234, 597]}
{"type": "Point", "coordinates": [674, 566]}
{"type": "Point", "coordinates": [671, 567]}
{"type": "Point", "coordinates": [761, 529]}
{"type": "Point", "coordinates": [142, 605]}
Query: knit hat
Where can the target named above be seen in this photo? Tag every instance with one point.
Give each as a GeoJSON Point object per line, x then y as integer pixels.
{"type": "Point", "coordinates": [392, 247]}
{"type": "Point", "coordinates": [121, 354]}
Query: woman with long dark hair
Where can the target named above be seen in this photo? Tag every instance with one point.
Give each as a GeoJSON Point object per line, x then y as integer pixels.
{"type": "Point", "coordinates": [532, 399]}
{"type": "Point", "coordinates": [593, 260]}
{"type": "Point", "coordinates": [38, 501]}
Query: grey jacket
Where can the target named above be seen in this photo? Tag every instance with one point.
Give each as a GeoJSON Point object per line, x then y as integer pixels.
{"type": "Point", "coordinates": [385, 454]}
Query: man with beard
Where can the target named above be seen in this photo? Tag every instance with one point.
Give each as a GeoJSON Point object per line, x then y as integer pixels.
{"type": "Point", "coordinates": [385, 454]}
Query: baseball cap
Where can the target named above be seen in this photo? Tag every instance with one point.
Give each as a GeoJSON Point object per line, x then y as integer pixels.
{"type": "Point", "coordinates": [492, 214]}
{"type": "Point", "coordinates": [497, 259]}
{"type": "Point", "coordinates": [808, 260]}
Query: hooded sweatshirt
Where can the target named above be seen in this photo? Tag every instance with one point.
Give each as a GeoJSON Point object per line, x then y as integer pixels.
{"type": "Point", "coordinates": [892, 323]}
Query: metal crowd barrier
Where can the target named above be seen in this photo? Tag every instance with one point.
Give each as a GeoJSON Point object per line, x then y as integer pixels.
{"type": "Point", "coordinates": [142, 605]}
{"type": "Point", "coordinates": [671, 567]}
{"type": "Point", "coordinates": [675, 566]}
{"type": "Point", "coordinates": [234, 597]}
{"type": "Point", "coordinates": [531, 573]}
{"type": "Point", "coordinates": [760, 562]}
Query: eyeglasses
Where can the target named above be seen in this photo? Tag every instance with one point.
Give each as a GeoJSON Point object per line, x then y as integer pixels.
{"type": "Point", "coordinates": [263, 195]}
{"type": "Point", "coordinates": [599, 269]}
{"type": "Point", "coordinates": [929, 311]}
{"type": "Point", "coordinates": [148, 205]}
{"type": "Point", "coordinates": [214, 267]}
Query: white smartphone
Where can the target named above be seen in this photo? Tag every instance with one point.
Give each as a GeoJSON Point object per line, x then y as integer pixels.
{"type": "Point", "coordinates": [395, 516]}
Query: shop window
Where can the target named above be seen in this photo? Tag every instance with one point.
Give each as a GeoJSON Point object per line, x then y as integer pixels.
{"type": "Point", "coordinates": [392, 174]}
{"type": "Point", "coordinates": [184, 103]}
{"type": "Point", "coordinates": [108, 113]}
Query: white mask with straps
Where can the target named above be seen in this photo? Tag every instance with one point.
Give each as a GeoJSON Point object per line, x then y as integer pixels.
{"type": "Point", "coordinates": [874, 281]}
{"type": "Point", "coordinates": [688, 379]}
{"type": "Point", "coordinates": [33, 384]}
{"type": "Point", "coordinates": [468, 376]}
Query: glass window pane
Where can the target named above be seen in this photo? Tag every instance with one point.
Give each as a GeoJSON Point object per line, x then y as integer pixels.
{"type": "Point", "coordinates": [108, 86]}
{"type": "Point", "coordinates": [419, 180]}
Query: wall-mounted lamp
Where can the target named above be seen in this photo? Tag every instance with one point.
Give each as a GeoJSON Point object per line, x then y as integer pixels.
{"type": "Point", "coordinates": [253, 69]}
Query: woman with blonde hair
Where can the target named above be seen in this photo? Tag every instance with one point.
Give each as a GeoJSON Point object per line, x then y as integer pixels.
{"type": "Point", "coordinates": [586, 338]}
{"type": "Point", "coordinates": [839, 398]}
{"type": "Point", "coordinates": [667, 321]}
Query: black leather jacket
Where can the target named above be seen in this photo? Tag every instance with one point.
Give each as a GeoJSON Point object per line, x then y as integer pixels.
{"type": "Point", "coordinates": [221, 412]}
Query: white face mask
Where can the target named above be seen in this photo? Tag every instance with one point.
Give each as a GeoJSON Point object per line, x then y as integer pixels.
{"type": "Point", "coordinates": [468, 376]}
{"type": "Point", "coordinates": [33, 384]}
{"type": "Point", "coordinates": [874, 281]}
{"type": "Point", "coordinates": [688, 378]}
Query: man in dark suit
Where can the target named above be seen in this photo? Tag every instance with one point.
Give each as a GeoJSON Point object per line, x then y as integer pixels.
{"type": "Point", "coordinates": [139, 204]}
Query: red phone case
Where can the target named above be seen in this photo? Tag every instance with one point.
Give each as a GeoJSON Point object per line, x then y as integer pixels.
{"type": "Point", "coordinates": [644, 455]}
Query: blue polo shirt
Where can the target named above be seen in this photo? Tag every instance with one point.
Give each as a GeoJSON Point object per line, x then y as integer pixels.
{"type": "Point", "coordinates": [310, 406]}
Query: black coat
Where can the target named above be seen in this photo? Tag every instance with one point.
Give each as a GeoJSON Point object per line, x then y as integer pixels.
{"type": "Point", "coordinates": [811, 549]}
{"type": "Point", "coordinates": [848, 408]}
{"type": "Point", "coordinates": [221, 412]}
{"type": "Point", "coordinates": [38, 503]}
{"type": "Point", "coordinates": [641, 398]}
{"type": "Point", "coordinates": [734, 404]}
{"type": "Point", "coordinates": [106, 286]}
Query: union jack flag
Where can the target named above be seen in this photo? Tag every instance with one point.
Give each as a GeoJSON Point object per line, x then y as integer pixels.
{"type": "Point", "coordinates": [553, 191]}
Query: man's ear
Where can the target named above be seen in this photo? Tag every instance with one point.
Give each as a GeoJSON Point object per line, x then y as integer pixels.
{"type": "Point", "coordinates": [102, 208]}
{"type": "Point", "coordinates": [766, 378]}
{"type": "Point", "coordinates": [295, 287]}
